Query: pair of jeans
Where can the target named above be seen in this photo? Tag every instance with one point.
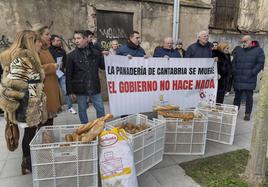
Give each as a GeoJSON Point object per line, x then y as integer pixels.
{"type": "Point", "coordinates": [82, 101]}
{"type": "Point", "coordinates": [67, 98]}
{"type": "Point", "coordinates": [249, 99]}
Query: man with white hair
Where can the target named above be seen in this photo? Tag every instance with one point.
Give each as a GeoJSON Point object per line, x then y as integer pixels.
{"type": "Point", "coordinates": [167, 50]}
{"type": "Point", "coordinates": [200, 49]}
{"type": "Point", "coordinates": [247, 63]}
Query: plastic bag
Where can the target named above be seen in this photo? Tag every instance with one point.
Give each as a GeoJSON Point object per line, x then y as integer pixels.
{"type": "Point", "coordinates": [117, 166]}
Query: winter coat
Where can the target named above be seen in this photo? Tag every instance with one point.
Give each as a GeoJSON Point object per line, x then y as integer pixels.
{"type": "Point", "coordinates": [247, 63]}
{"type": "Point", "coordinates": [23, 73]}
{"type": "Point", "coordinates": [82, 71]}
{"type": "Point", "coordinates": [196, 50]}
{"type": "Point", "coordinates": [130, 49]}
{"type": "Point", "coordinates": [182, 52]}
{"type": "Point", "coordinates": [161, 52]}
{"type": "Point", "coordinates": [51, 84]}
{"type": "Point", "coordinates": [224, 69]}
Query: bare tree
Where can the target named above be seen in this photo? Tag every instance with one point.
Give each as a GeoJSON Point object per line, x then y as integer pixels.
{"type": "Point", "coordinates": [255, 170]}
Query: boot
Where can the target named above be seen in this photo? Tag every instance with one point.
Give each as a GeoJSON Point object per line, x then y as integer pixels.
{"type": "Point", "coordinates": [26, 165]}
{"type": "Point", "coordinates": [247, 117]}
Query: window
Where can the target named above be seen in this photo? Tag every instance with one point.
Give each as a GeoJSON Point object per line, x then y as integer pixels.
{"type": "Point", "coordinates": [113, 26]}
{"type": "Point", "coordinates": [226, 14]}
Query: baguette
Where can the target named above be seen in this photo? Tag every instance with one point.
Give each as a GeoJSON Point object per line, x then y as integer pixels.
{"type": "Point", "coordinates": [68, 138]}
{"type": "Point", "coordinates": [93, 132]}
{"type": "Point", "coordinates": [186, 116]}
{"type": "Point", "coordinates": [84, 128]}
{"type": "Point", "coordinates": [107, 117]}
{"type": "Point", "coordinates": [167, 107]}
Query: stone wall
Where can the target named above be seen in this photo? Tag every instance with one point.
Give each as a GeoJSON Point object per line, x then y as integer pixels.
{"type": "Point", "coordinates": [152, 18]}
{"type": "Point", "coordinates": [193, 18]}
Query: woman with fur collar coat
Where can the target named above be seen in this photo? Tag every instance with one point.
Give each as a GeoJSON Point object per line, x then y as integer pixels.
{"type": "Point", "coordinates": [22, 72]}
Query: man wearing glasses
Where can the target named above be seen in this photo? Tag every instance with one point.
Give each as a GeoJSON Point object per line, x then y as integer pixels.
{"type": "Point", "coordinates": [247, 63]}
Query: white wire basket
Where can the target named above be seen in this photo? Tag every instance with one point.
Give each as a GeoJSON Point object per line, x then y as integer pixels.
{"type": "Point", "coordinates": [185, 137]}
{"type": "Point", "coordinates": [148, 145]}
{"type": "Point", "coordinates": [221, 121]}
{"type": "Point", "coordinates": [61, 163]}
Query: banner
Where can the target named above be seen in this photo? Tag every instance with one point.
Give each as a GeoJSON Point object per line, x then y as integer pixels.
{"type": "Point", "coordinates": [137, 85]}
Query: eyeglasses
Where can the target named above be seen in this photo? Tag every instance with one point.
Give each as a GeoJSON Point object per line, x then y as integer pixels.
{"type": "Point", "coordinates": [245, 41]}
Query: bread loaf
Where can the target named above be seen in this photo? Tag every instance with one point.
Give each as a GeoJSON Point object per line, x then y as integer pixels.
{"type": "Point", "coordinates": [167, 107]}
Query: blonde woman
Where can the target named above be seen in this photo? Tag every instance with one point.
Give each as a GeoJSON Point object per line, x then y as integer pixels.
{"type": "Point", "coordinates": [224, 70]}
{"type": "Point", "coordinates": [23, 75]}
{"type": "Point", "coordinates": [51, 84]}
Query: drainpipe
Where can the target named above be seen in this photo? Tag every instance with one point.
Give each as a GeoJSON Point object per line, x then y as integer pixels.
{"type": "Point", "coordinates": [176, 15]}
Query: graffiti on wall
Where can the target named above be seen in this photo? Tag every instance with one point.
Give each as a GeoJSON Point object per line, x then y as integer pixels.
{"type": "Point", "coordinates": [113, 26]}
{"type": "Point", "coordinates": [113, 33]}
{"type": "Point", "coordinates": [69, 43]}
{"type": "Point", "coordinates": [109, 34]}
{"type": "Point", "coordinates": [4, 42]}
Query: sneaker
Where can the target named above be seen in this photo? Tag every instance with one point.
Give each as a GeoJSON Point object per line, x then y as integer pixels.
{"type": "Point", "coordinates": [247, 117]}
{"type": "Point", "coordinates": [71, 110]}
{"type": "Point", "coordinates": [227, 93]}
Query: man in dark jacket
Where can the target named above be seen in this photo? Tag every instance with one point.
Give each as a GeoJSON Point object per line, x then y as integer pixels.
{"type": "Point", "coordinates": [167, 50]}
{"type": "Point", "coordinates": [59, 56]}
{"type": "Point", "coordinates": [247, 63]}
{"type": "Point", "coordinates": [202, 48]}
{"type": "Point", "coordinates": [90, 39]}
{"type": "Point", "coordinates": [132, 48]}
{"type": "Point", "coordinates": [82, 76]}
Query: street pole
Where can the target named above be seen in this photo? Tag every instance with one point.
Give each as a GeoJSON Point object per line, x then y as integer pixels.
{"type": "Point", "coordinates": [176, 15]}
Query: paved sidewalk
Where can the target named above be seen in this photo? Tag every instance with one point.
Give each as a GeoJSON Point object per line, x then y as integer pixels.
{"type": "Point", "coordinates": [166, 174]}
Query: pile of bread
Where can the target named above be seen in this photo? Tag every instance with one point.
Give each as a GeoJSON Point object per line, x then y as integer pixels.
{"type": "Point", "coordinates": [132, 128]}
{"type": "Point", "coordinates": [173, 112]}
{"type": "Point", "coordinates": [88, 132]}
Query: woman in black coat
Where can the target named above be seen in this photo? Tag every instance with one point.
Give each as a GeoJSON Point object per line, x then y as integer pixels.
{"type": "Point", "coordinates": [224, 69]}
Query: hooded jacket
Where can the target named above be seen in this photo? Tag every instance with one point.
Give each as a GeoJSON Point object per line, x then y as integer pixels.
{"type": "Point", "coordinates": [247, 63]}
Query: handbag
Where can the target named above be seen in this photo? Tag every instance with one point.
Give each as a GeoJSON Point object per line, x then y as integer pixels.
{"type": "Point", "coordinates": [12, 135]}
{"type": "Point", "coordinates": [22, 109]}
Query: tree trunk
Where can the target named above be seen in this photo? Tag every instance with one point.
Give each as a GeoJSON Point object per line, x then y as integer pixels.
{"type": "Point", "coordinates": [255, 170]}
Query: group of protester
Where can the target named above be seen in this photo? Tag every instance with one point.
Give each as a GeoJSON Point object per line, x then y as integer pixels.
{"type": "Point", "coordinates": [37, 66]}
{"type": "Point", "coordinates": [240, 72]}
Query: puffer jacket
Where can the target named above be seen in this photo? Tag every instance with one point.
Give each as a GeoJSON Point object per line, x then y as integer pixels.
{"type": "Point", "coordinates": [23, 73]}
{"type": "Point", "coordinates": [161, 52]}
{"type": "Point", "coordinates": [196, 50]}
{"type": "Point", "coordinates": [247, 63]}
{"type": "Point", "coordinates": [131, 49]}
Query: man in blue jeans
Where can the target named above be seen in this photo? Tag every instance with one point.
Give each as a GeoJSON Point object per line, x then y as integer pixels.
{"type": "Point", "coordinates": [59, 56]}
{"type": "Point", "coordinates": [82, 76]}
